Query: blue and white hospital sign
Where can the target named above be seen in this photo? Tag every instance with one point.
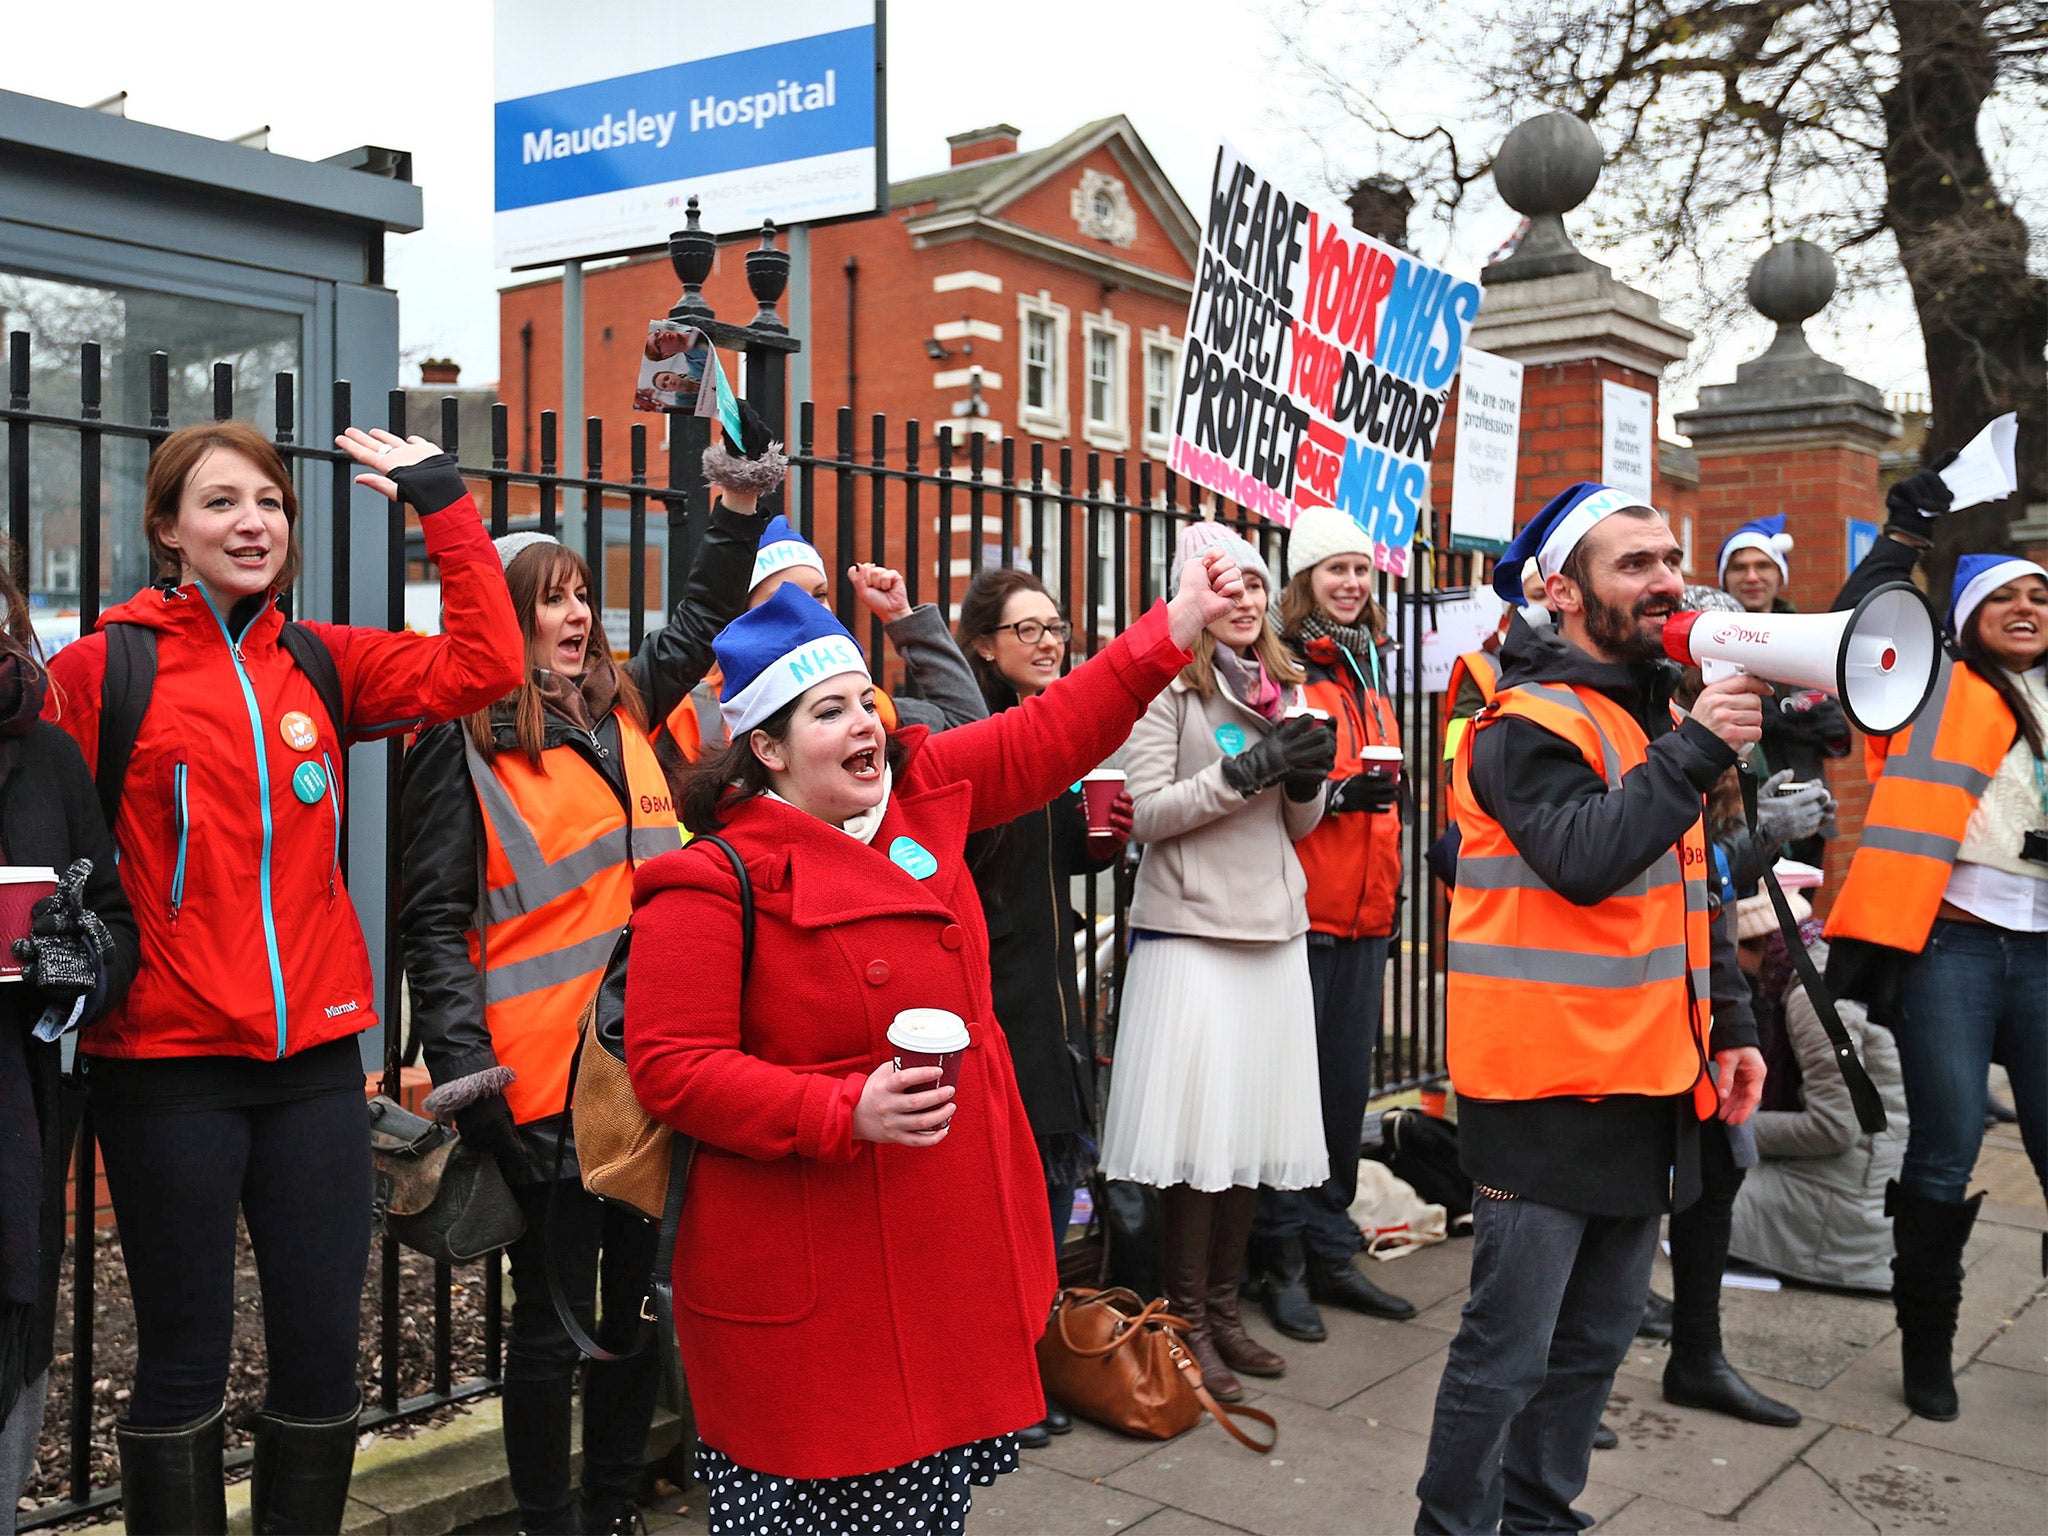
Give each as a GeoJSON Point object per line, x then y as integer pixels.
{"type": "Point", "coordinates": [758, 111]}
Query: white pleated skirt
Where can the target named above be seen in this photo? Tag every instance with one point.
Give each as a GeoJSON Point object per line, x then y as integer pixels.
{"type": "Point", "coordinates": [1215, 1082]}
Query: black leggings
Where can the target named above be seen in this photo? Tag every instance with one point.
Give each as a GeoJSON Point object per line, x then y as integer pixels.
{"type": "Point", "coordinates": [1699, 1245]}
{"type": "Point", "coordinates": [300, 1175]}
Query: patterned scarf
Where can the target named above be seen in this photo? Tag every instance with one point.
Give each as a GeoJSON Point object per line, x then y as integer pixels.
{"type": "Point", "coordinates": [1355, 638]}
{"type": "Point", "coordinates": [1249, 682]}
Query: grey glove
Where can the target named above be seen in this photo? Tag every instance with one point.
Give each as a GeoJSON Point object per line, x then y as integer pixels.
{"type": "Point", "coordinates": [64, 955]}
{"type": "Point", "coordinates": [1300, 753]}
{"type": "Point", "coordinates": [1782, 819]}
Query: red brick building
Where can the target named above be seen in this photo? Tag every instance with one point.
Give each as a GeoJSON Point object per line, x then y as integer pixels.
{"type": "Point", "coordinates": [1037, 294]}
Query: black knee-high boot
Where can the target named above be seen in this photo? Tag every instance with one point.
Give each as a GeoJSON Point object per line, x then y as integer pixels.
{"type": "Point", "coordinates": [299, 1479]}
{"type": "Point", "coordinates": [1927, 1291]}
{"type": "Point", "coordinates": [171, 1481]}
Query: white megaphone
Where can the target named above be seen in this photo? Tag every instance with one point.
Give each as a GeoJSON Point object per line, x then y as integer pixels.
{"type": "Point", "coordinates": [1878, 658]}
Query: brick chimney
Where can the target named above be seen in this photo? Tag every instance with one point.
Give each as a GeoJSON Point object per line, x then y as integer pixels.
{"type": "Point", "coordinates": [983, 143]}
{"type": "Point", "coordinates": [440, 370]}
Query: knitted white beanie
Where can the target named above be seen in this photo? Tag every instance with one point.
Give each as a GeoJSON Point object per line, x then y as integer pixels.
{"type": "Point", "coordinates": [513, 545]}
{"type": "Point", "coordinates": [1320, 532]}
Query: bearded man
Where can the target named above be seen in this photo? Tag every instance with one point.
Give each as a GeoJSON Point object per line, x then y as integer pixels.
{"type": "Point", "coordinates": [1595, 1010]}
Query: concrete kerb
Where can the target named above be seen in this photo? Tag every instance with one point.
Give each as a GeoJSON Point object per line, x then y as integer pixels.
{"type": "Point", "coordinates": [444, 1477]}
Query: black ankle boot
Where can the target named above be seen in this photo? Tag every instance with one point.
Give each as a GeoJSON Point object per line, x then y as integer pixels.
{"type": "Point", "coordinates": [1057, 1420]}
{"type": "Point", "coordinates": [1283, 1291]}
{"type": "Point", "coordinates": [1927, 1291]}
{"type": "Point", "coordinates": [1656, 1323]}
{"type": "Point", "coordinates": [1341, 1285]}
{"type": "Point", "coordinates": [1703, 1378]}
{"type": "Point", "coordinates": [299, 1478]}
{"type": "Point", "coordinates": [171, 1478]}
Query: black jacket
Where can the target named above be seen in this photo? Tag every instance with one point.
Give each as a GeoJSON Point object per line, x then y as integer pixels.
{"type": "Point", "coordinates": [50, 815]}
{"type": "Point", "coordinates": [1625, 1155]}
{"type": "Point", "coordinates": [440, 825]}
{"type": "Point", "coordinates": [1022, 870]}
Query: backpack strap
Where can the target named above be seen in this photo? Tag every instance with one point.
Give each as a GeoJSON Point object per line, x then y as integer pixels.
{"type": "Point", "coordinates": [125, 688]}
{"type": "Point", "coordinates": [317, 662]}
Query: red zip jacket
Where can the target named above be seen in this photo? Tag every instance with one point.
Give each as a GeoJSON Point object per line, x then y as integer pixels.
{"type": "Point", "coordinates": [230, 823]}
{"type": "Point", "coordinates": [1353, 861]}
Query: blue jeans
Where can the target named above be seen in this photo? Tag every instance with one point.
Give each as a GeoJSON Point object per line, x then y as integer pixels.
{"type": "Point", "coordinates": [1060, 1196]}
{"type": "Point", "coordinates": [1974, 995]}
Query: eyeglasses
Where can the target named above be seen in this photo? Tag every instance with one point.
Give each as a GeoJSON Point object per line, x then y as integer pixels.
{"type": "Point", "coordinates": [1031, 631]}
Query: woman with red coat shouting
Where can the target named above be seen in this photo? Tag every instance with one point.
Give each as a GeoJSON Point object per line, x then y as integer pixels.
{"type": "Point", "coordinates": [229, 1080]}
{"type": "Point", "coordinates": [861, 1274]}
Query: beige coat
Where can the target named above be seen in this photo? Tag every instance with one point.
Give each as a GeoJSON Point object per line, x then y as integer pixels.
{"type": "Point", "coordinates": [1216, 865]}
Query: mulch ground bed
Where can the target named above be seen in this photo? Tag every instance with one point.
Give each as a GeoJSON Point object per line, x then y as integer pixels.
{"type": "Point", "coordinates": [113, 1355]}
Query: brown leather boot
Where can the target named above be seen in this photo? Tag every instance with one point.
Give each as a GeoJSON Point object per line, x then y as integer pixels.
{"type": "Point", "coordinates": [1229, 1233]}
{"type": "Point", "coordinates": [1186, 1229]}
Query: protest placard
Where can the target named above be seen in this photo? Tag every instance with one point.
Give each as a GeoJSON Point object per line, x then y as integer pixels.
{"type": "Point", "coordinates": [1454, 626]}
{"type": "Point", "coordinates": [1489, 447]}
{"type": "Point", "coordinates": [1628, 440]}
{"type": "Point", "coordinates": [1317, 365]}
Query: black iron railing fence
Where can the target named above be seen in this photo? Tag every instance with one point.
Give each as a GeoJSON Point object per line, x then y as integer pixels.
{"type": "Point", "coordinates": [939, 509]}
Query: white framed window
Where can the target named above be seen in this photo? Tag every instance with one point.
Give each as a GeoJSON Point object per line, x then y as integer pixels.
{"type": "Point", "coordinates": [1042, 365]}
{"type": "Point", "coordinates": [60, 568]}
{"type": "Point", "coordinates": [1106, 346]}
{"type": "Point", "coordinates": [1162, 369]}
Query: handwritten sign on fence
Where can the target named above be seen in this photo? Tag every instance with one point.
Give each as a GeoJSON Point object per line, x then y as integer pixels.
{"type": "Point", "coordinates": [1318, 362]}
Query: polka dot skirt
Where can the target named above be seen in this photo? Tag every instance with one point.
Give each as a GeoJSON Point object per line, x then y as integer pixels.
{"type": "Point", "coordinates": [927, 1497]}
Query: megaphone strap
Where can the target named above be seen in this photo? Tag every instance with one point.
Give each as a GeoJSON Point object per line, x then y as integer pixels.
{"type": "Point", "coordinates": [1862, 1092]}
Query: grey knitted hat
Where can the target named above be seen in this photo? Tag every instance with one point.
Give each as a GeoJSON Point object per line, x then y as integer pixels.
{"type": "Point", "coordinates": [511, 546]}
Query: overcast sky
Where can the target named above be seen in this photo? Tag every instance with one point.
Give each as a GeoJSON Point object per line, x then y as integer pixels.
{"type": "Point", "coordinates": [419, 78]}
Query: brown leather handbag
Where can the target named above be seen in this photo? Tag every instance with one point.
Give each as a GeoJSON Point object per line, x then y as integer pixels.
{"type": "Point", "coordinates": [1120, 1361]}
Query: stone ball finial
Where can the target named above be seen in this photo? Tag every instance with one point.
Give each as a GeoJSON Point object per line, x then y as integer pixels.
{"type": "Point", "coordinates": [1548, 165]}
{"type": "Point", "coordinates": [1792, 282]}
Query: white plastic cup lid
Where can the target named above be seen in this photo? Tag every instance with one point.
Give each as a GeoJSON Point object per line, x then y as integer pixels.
{"type": "Point", "coordinates": [1098, 774]}
{"type": "Point", "coordinates": [1379, 754]}
{"type": "Point", "coordinates": [929, 1031]}
{"type": "Point", "coordinates": [27, 874]}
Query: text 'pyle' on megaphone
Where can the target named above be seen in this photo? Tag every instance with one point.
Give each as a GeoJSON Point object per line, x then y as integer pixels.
{"type": "Point", "coordinates": [1878, 658]}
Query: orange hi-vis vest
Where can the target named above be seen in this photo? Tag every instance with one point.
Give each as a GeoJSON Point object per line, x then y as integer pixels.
{"type": "Point", "coordinates": [1925, 782]}
{"type": "Point", "coordinates": [696, 726]}
{"type": "Point", "coordinates": [559, 851]}
{"type": "Point", "coordinates": [1547, 999]}
{"type": "Point", "coordinates": [1483, 667]}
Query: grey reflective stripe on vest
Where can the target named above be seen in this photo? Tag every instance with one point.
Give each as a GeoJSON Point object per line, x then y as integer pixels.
{"type": "Point", "coordinates": [1918, 762]}
{"type": "Point", "coordinates": [653, 842]}
{"type": "Point", "coordinates": [529, 893]}
{"type": "Point", "coordinates": [1564, 698]}
{"type": "Point", "coordinates": [1616, 973]}
{"type": "Point", "coordinates": [1510, 872]}
{"type": "Point", "coordinates": [1926, 845]}
{"type": "Point", "coordinates": [516, 978]}
{"type": "Point", "coordinates": [710, 723]}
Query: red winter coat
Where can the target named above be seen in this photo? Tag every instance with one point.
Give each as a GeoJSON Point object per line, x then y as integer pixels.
{"type": "Point", "coordinates": [844, 1306]}
{"type": "Point", "coordinates": [250, 946]}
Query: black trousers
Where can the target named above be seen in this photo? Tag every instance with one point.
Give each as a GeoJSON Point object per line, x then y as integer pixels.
{"type": "Point", "coordinates": [1555, 1300]}
{"type": "Point", "coordinates": [594, 1247]}
{"type": "Point", "coordinates": [1699, 1245]}
{"type": "Point", "coordinates": [1348, 977]}
{"type": "Point", "coordinates": [299, 1174]}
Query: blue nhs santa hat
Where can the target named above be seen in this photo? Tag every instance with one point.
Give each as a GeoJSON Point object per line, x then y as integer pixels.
{"type": "Point", "coordinates": [1977, 577]}
{"type": "Point", "coordinates": [1552, 534]}
{"type": "Point", "coordinates": [1767, 534]}
{"type": "Point", "coordinates": [782, 548]}
{"type": "Point", "coordinates": [773, 653]}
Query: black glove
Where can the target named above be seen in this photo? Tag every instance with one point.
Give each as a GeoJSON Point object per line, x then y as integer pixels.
{"type": "Point", "coordinates": [432, 485]}
{"type": "Point", "coordinates": [487, 1125]}
{"type": "Point", "coordinates": [65, 952]}
{"type": "Point", "coordinates": [1917, 502]}
{"type": "Point", "coordinates": [1300, 751]}
{"type": "Point", "coordinates": [1364, 792]}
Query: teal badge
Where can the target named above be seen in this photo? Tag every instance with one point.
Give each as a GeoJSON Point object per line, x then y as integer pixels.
{"type": "Point", "coordinates": [910, 856]}
{"type": "Point", "coordinates": [309, 783]}
{"type": "Point", "coordinates": [1230, 738]}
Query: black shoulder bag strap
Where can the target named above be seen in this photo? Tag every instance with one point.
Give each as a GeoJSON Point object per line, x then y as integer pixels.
{"type": "Point", "coordinates": [1862, 1092]}
{"type": "Point", "coordinates": [317, 662]}
{"type": "Point", "coordinates": [125, 688]}
{"type": "Point", "coordinates": [658, 1307]}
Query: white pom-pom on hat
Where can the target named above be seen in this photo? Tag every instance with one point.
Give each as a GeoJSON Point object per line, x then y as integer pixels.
{"type": "Point", "coordinates": [1783, 543]}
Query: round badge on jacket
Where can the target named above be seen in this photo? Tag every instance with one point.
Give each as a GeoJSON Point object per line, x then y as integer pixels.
{"type": "Point", "coordinates": [299, 732]}
{"type": "Point", "coordinates": [1230, 738]}
{"type": "Point", "coordinates": [913, 858]}
{"type": "Point", "coordinates": [309, 783]}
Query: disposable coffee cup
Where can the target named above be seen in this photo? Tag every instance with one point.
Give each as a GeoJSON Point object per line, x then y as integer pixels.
{"type": "Point", "coordinates": [21, 887]}
{"type": "Point", "coordinates": [1299, 711]}
{"type": "Point", "coordinates": [929, 1037]}
{"type": "Point", "coordinates": [1098, 793]}
{"type": "Point", "coordinates": [1381, 762]}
